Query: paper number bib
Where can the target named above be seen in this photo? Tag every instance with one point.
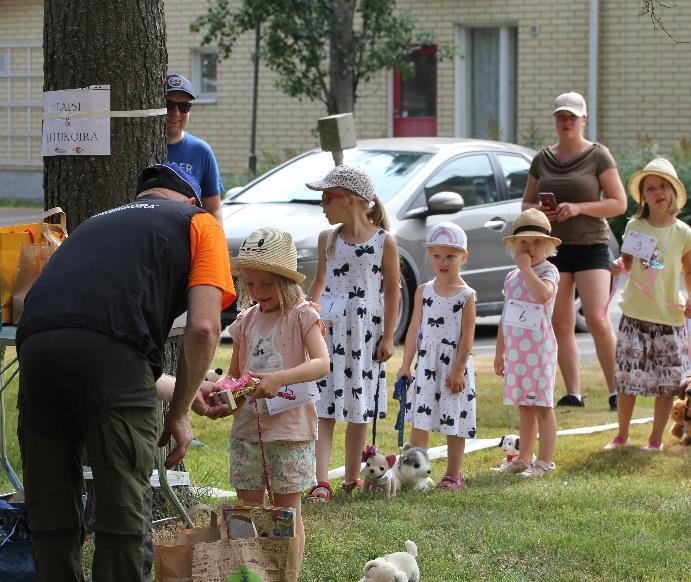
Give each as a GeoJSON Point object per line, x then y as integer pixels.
{"type": "Point", "coordinates": [332, 307]}
{"type": "Point", "coordinates": [524, 314]}
{"type": "Point", "coordinates": [639, 245]}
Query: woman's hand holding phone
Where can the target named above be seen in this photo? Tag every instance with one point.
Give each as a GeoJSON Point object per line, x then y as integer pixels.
{"type": "Point", "coordinates": [548, 205]}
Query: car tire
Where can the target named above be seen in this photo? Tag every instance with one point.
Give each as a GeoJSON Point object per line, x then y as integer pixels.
{"type": "Point", "coordinates": [405, 308]}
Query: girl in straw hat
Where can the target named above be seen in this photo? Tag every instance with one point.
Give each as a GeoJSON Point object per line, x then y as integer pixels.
{"type": "Point", "coordinates": [279, 339]}
{"type": "Point", "coordinates": [526, 346]}
{"type": "Point", "coordinates": [652, 347]}
{"type": "Point", "coordinates": [356, 284]}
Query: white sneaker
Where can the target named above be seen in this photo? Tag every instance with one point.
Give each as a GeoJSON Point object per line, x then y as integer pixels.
{"type": "Point", "coordinates": [515, 466]}
{"type": "Point", "coordinates": [538, 469]}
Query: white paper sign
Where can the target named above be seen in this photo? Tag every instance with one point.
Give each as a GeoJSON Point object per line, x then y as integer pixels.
{"type": "Point", "coordinates": [639, 245]}
{"type": "Point", "coordinates": [332, 307]}
{"type": "Point", "coordinates": [82, 136]}
{"type": "Point", "coordinates": [523, 314]}
{"type": "Point", "coordinates": [302, 393]}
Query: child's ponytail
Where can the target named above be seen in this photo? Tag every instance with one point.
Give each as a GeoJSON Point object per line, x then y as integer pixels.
{"type": "Point", "coordinates": [331, 241]}
{"type": "Point", "coordinates": [377, 214]}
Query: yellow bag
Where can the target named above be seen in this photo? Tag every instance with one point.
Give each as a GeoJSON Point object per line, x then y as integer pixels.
{"type": "Point", "coordinates": [11, 240]}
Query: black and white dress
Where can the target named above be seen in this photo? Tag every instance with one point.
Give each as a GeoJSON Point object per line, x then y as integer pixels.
{"type": "Point", "coordinates": [431, 406]}
{"type": "Point", "coordinates": [354, 274]}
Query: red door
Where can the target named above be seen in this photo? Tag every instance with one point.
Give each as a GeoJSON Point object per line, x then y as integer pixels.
{"type": "Point", "coordinates": [415, 99]}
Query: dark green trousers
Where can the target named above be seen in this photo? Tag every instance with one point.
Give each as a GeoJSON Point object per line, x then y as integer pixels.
{"type": "Point", "coordinates": [61, 409]}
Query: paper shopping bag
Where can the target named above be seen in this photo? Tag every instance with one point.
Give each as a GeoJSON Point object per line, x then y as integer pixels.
{"type": "Point", "coordinates": [32, 260]}
{"type": "Point", "coordinates": [12, 238]}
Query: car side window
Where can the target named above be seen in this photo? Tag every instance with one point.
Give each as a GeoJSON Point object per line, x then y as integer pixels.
{"type": "Point", "coordinates": [470, 176]}
{"type": "Point", "coordinates": [515, 170]}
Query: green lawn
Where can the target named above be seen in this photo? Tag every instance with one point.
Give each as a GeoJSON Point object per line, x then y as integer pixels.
{"type": "Point", "coordinates": [615, 515]}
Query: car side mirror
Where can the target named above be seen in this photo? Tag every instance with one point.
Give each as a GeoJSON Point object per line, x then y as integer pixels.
{"type": "Point", "coordinates": [445, 203]}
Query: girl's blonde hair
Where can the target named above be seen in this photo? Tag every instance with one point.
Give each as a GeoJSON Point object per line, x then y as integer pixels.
{"type": "Point", "coordinates": [289, 293]}
{"type": "Point", "coordinates": [550, 248]}
{"type": "Point", "coordinates": [376, 214]}
{"type": "Point", "coordinates": [644, 210]}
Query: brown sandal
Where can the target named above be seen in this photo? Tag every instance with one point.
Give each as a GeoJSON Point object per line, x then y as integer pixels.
{"type": "Point", "coordinates": [350, 486]}
{"type": "Point", "coordinates": [320, 493]}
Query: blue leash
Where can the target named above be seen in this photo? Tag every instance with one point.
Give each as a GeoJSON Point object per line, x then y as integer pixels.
{"type": "Point", "coordinates": [400, 393]}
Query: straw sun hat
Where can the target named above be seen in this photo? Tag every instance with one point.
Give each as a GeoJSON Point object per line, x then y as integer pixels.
{"type": "Point", "coordinates": [532, 222]}
{"type": "Point", "coordinates": [272, 250]}
{"type": "Point", "coordinates": [664, 169]}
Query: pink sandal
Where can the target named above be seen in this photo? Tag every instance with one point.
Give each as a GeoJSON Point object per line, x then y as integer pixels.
{"type": "Point", "coordinates": [320, 493]}
{"type": "Point", "coordinates": [451, 483]}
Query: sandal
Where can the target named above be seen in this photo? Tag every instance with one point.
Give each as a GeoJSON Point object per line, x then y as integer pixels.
{"type": "Point", "coordinates": [320, 493]}
{"type": "Point", "coordinates": [350, 486]}
{"type": "Point", "coordinates": [451, 483]}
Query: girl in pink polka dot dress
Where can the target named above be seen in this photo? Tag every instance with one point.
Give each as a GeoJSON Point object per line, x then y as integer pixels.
{"type": "Point", "coordinates": [526, 347]}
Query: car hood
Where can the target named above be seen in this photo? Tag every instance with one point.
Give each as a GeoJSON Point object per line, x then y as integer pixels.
{"type": "Point", "coordinates": [303, 221]}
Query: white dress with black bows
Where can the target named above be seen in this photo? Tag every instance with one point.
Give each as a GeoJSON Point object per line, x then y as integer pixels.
{"type": "Point", "coordinates": [431, 406]}
{"type": "Point", "coordinates": [347, 393]}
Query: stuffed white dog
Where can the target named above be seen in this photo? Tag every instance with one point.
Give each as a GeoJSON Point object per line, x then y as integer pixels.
{"type": "Point", "coordinates": [412, 471]}
{"type": "Point", "coordinates": [509, 444]}
{"type": "Point", "coordinates": [396, 567]}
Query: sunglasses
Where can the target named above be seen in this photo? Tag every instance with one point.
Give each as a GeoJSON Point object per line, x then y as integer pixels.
{"type": "Point", "coordinates": [183, 106]}
{"type": "Point", "coordinates": [328, 195]}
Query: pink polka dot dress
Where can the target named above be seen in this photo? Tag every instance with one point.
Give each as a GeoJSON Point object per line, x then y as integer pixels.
{"type": "Point", "coordinates": [530, 356]}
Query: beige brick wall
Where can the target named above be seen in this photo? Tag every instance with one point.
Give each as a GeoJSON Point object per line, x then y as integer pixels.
{"type": "Point", "coordinates": [644, 77]}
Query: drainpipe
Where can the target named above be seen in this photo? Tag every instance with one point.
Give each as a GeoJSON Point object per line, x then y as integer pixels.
{"type": "Point", "coordinates": [593, 63]}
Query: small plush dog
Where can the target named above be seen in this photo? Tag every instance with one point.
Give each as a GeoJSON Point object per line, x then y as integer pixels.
{"type": "Point", "coordinates": [509, 444]}
{"type": "Point", "coordinates": [377, 473]}
{"type": "Point", "coordinates": [396, 567]}
{"type": "Point", "coordinates": [412, 471]}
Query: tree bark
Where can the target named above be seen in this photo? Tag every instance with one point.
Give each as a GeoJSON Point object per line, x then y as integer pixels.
{"type": "Point", "coordinates": [121, 43]}
{"type": "Point", "coordinates": [341, 75]}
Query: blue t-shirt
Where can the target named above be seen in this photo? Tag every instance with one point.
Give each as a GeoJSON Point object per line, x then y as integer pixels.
{"type": "Point", "coordinates": [194, 156]}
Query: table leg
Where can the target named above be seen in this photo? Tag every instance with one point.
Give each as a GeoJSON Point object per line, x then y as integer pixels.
{"type": "Point", "coordinates": [5, 379]}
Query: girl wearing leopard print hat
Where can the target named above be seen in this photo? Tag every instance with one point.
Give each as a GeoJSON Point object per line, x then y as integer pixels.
{"type": "Point", "coordinates": [356, 284]}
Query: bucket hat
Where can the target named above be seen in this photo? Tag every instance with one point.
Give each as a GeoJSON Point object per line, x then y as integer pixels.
{"type": "Point", "coordinates": [349, 177]}
{"type": "Point", "coordinates": [270, 249]}
{"type": "Point", "coordinates": [532, 222]}
{"type": "Point", "coordinates": [168, 175]}
{"type": "Point", "coordinates": [175, 82]}
{"type": "Point", "coordinates": [664, 169]}
{"type": "Point", "coordinates": [447, 234]}
{"type": "Point", "coordinates": [572, 102]}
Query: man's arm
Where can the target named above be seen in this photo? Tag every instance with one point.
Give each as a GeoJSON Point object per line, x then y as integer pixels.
{"type": "Point", "coordinates": [212, 204]}
{"type": "Point", "coordinates": [196, 352]}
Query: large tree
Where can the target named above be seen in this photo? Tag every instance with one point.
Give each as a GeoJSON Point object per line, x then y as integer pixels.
{"type": "Point", "coordinates": [122, 44]}
{"type": "Point", "coordinates": [320, 49]}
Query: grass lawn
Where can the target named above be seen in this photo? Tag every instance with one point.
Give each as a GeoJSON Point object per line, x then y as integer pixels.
{"type": "Point", "coordinates": [616, 515]}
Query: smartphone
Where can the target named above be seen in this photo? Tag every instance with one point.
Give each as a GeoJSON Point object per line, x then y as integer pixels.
{"type": "Point", "coordinates": [547, 200]}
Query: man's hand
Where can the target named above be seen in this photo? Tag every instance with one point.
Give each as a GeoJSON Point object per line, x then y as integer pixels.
{"type": "Point", "coordinates": [203, 404]}
{"type": "Point", "coordinates": [177, 427]}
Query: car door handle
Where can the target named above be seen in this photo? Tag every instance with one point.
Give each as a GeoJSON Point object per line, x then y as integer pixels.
{"type": "Point", "coordinates": [495, 224]}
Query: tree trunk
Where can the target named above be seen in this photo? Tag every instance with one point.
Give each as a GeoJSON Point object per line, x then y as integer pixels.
{"type": "Point", "coordinates": [341, 98]}
{"type": "Point", "coordinates": [121, 43]}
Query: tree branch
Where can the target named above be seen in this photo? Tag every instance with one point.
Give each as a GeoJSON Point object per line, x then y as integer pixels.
{"type": "Point", "coordinates": [649, 7]}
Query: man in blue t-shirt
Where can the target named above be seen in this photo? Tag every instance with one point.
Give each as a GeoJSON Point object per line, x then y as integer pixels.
{"type": "Point", "coordinates": [192, 154]}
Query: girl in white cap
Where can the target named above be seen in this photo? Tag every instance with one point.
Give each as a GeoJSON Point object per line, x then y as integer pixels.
{"type": "Point", "coordinates": [279, 339]}
{"type": "Point", "coordinates": [356, 284]}
{"type": "Point", "coordinates": [441, 395]}
{"type": "Point", "coordinates": [526, 353]}
{"type": "Point", "coordinates": [653, 345]}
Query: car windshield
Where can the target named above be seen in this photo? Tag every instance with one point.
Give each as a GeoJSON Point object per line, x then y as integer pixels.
{"type": "Point", "coordinates": [389, 171]}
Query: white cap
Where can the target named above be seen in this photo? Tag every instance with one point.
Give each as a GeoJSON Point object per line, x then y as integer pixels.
{"type": "Point", "coordinates": [572, 102]}
{"type": "Point", "coordinates": [447, 234]}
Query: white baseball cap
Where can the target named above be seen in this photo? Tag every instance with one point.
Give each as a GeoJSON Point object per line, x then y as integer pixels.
{"type": "Point", "coordinates": [572, 102]}
{"type": "Point", "coordinates": [447, 234]}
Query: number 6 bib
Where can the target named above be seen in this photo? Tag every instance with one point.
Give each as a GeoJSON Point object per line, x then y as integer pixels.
{"type": "Point", "coordinates": [523, 314]}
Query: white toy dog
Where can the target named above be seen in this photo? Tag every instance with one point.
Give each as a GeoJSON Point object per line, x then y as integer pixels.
{"type": "Point", "coordinates": [377, 473]}
{"type": "Point", "coordinates": [509, 444]}
{"type": "Point", "coordinates": [412, 471]}
{"type": "Point", "coordinates": [396, 567]}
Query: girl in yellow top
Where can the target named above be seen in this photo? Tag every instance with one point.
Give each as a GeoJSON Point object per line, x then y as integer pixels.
{"type": "Point", "coordinates": [652, 347]}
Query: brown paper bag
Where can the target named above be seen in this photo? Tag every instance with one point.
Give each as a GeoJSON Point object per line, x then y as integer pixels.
{"type": "Point", "coordinates": [32, 260]}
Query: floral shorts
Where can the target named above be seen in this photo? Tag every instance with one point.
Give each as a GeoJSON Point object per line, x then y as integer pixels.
{"type": "Point", "coordinates": [292, 466]}
{"type": "Point", "coordinates": [652, 358]}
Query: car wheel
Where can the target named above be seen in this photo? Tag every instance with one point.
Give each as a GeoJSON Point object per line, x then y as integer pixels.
{"type": "Point", "coordinates": [581, 325]}
{"type": "Point", "coordinates": [405, 308]}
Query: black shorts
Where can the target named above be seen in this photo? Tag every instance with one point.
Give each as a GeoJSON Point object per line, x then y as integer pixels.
{"type": "Point", "coordinates": [574, 258]}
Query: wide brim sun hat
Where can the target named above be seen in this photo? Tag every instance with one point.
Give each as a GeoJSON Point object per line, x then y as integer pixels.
{"type": "Point", "coordinates": [447, 234]}
{"type": "Point", "coordinates": [352, 178]}
{"type": "Point", "coordinates": [532, 222]}
{"type": "Point", "coordinates": [272, 250]}
{"type": "Point", "coordinates": [664, 169]}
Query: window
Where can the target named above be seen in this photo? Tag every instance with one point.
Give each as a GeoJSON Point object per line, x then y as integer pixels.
{"type": "Point", "coordinates": [470, 176]}
{"type": "Point", "coordinates": [205, 74]}
{"type": "Point", "coordinates": [486, 82]}
{"type": "Point", "coordinates": [515, 169]}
